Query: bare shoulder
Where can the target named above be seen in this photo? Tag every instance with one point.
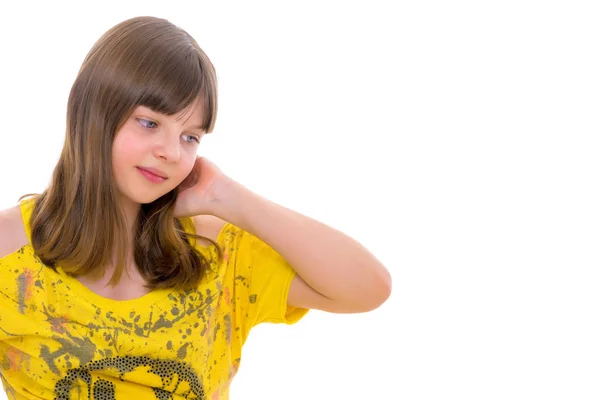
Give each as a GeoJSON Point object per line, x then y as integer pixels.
{"type": "Point", "coordinates": [208, 226]}
{"type": "Point", "coordinates": [12, 231]}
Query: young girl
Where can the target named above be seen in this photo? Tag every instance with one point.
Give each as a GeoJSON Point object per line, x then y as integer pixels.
{"type": "Point", "coordinates": [140, 270]}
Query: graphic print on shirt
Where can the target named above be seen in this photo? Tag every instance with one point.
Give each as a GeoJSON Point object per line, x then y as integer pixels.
{"type": "Point", "coordinates": [88, 358]}
{"type": "Point", "coordinates": [102, 389]}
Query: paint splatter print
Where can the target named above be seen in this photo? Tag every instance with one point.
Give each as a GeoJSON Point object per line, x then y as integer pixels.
{"type": "Point", "coordinates": [60, 340]}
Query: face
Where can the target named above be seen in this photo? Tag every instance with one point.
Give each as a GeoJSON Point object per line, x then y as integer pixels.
{"type": "Point", "coordinates": [152, 153]}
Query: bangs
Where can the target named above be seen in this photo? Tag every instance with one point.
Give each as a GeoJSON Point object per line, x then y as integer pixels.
{"type": "Point", "coordinates": [174, 81]}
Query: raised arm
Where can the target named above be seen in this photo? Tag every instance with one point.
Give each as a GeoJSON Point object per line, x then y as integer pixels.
{"type": "Point", "coordinates": [335, 273]}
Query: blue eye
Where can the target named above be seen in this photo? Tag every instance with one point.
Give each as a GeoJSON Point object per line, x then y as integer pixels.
{"type": "Point", "coordinates": [145, 123]}
{"type": "Point", "coordinates": [194, 138]}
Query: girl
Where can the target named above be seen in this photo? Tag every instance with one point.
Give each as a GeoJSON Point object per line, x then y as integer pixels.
{"type": "Point", "coordinates": [141, 269]}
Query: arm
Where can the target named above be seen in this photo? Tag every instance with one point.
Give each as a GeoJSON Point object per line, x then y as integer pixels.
{"type": "Point", "coordinates": [334, 272]}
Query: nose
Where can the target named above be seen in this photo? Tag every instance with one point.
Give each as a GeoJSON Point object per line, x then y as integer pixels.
{"type": "Point", "coordinates": [168, 149]}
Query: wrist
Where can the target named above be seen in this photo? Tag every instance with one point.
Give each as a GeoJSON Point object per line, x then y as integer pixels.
{"type": "Point", "coordinates": [228, 197]}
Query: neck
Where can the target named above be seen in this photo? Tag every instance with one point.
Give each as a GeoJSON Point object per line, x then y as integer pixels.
{"type": "Point", "coordinates": [131, 211]}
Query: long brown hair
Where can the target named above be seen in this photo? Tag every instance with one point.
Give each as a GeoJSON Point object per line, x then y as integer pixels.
{"type": "Point", "coordinates": [76, 222]}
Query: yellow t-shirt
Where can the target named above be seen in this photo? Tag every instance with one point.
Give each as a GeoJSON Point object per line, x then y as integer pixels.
{"type": "Point", "coordinates": [60, 340]}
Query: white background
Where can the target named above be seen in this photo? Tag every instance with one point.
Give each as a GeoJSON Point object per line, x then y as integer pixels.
{"type": "Point", "coordinates": [455, 140]}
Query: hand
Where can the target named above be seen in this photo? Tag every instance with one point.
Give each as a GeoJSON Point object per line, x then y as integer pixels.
{"type": "Point", "coordinates": [197, 193]}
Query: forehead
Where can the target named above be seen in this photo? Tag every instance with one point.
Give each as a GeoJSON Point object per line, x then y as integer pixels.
{"type": "Point", "coordinates": [194, 112]}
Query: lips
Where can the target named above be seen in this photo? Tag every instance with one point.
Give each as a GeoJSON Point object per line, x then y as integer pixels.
{"type": "Point", "coordinates": [152, 176]}
{"type": "Point", "coordinates": [154, 171]}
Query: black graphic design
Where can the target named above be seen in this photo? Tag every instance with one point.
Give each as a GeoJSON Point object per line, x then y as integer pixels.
{"type": "Point", "coordinates": [101, 389]}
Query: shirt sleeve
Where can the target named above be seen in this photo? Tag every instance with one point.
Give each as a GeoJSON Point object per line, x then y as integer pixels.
{"type": "Point", "coordinates": [262, 281]}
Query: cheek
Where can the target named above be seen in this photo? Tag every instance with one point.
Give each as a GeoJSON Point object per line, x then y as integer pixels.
{"type": "Point", "coordinates": [126, 150]}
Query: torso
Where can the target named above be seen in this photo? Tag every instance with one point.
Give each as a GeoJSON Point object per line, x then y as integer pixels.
{"type": "Point", "coordinates": [65, 337]}
{"type": "Point", "coordinates": [62, 335]}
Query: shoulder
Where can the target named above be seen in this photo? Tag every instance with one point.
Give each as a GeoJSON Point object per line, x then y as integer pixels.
{"type": "Point", "coordinates": [12, 231]}
{"type": "Point", "coordinates": [208, 226]}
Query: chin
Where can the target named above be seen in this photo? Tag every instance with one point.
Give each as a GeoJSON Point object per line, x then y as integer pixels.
{"type": "Point", "coordinates": [142, 194]}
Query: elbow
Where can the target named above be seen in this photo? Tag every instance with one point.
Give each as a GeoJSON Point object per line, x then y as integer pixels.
{"type": "Point", "coordinates": [364, 297]}
{"type": "Point", "coordinates": [385, 290]}
{"type": "Point", "coordinates": [379, 293]}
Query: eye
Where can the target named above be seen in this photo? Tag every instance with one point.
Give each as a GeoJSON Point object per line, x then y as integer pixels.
{"type": "Point", "coordinates": [193, 138]}
{"type": "Point", "coordinates": [147, 123]}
